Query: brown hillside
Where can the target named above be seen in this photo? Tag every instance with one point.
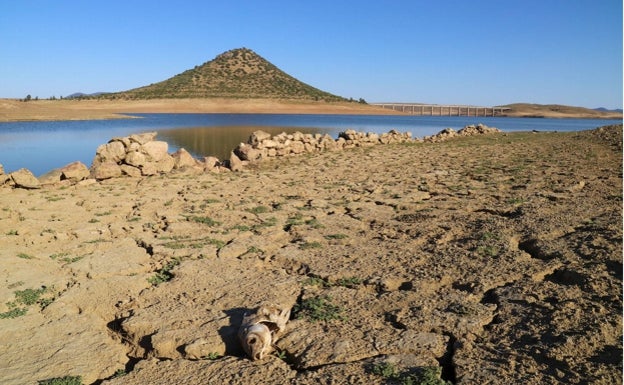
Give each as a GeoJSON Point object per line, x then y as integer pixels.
{"type": "Point", "coordinates": [239, 73]}
{"type": "Point", "coordinates": [530, 110]}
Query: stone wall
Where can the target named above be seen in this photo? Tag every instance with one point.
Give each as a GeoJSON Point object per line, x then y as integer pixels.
{"type": "Point", "coordinates": [142, 155]}
{"type": "Point", "coordinates": [262, 145]}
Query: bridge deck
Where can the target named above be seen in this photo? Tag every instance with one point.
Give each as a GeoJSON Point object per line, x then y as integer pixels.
{"type": "Point", "coordinates": [443, 110]}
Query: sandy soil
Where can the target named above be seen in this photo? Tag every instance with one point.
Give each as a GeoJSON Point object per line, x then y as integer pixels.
{"type": "Point", "coordinates": [494, 259]}
{"type": "Point", "coordinates": [13, 110]}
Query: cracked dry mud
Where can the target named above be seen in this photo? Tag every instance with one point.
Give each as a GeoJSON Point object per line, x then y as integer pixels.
{"type": "Point", "coordinates": [496, 258]}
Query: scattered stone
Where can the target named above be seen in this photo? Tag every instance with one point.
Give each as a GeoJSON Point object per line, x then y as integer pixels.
{"type": "Point", "coordinates": [183, 158]}
{"type": "Point", "coordinates": [74, 172]}
{"type": "Point", "coordinates": [236, 164]}
{"type": "Point", "coordinates": [106, 170]}
{"type": "Point", "coordinates": [25, 179]}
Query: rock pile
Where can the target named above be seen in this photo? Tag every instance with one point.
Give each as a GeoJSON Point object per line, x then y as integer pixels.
{"type": "Point", "coordinates": [469, 130]}
{"type": "Point", "coordinates": [142, 155]}
{"type": "Point", "coordinates": [262, 145]}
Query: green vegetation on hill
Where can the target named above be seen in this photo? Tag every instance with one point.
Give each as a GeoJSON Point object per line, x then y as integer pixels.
{"type": "Point", "coordinates": [239, 73]}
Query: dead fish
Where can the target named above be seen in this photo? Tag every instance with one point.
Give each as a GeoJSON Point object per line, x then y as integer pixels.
{"type": "Point", "coordinates": [261, 329]}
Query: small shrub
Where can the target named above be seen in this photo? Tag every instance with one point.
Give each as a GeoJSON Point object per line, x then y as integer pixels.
{"type": "Point", "coordinates": [310, 245]}
{"type": "Point", "coordinates": [212, 356]}
{"type": "Point", "coordinates": [427, 375]}
{"type": "Point", "coordinates": [336, 236]}
{"type": "Point", "coordinates": [318, 309]}
{"type": "Point", "coordinates": [259, 210]}
{"type": "Point", "coordinates": [386, 370]}
{"type": "Point", "coordinates": [164, 274]}
{"type": "Point", "coordinates": [67, 380]}
{"type": "Point", "coordinates": [14, 313]}
{"type": "Point", "coordinates": [24, 256]}
{"type": "Point", "coordinates": [349, 282]}
{"type": "Point", "coordinates": [204, 220]}
{"type": "Point", "coordinates": [28, 296]}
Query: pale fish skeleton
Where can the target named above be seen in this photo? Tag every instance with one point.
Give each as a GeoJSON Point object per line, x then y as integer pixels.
{"type": "Point", "coordinates": [260, 330]}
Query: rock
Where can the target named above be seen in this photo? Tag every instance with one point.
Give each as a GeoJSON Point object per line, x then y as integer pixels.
{"type": "Point", "coordinates": [247, 152]}
{"type": "Point", "coordinates": [106, 170]}
{"type": "Point", "coordinates": [135, 158]}
{"type": "Point", "coordinates": [149, 169]}
{"type": "Point", "coordinates": [166, 164]}
{"type": "Point", "coordinates": [235, 163]}
{"type": "Point", "coordinates": [25, 179]}
{"type": "Point", "coordinates": [1, 170]}
{"type": "Point", "coordinates": [112, 151]}
{"type": "Point", "coordinates": [155, 150]}
{"type": "Point", "coordinates": [130, 170]}
{"type": "Point", "coordinates": [183, 158]}
{"type": "Point", "coordinates": [143, 138]}
{"type": "Point", "coordinates": [211, 164]}
{"type": "Point", "coordinates": [74, 172]}
{"type": "Point", "coordinates": [51, 177]}
{"type": "Point", "coordinates": [257, 137]}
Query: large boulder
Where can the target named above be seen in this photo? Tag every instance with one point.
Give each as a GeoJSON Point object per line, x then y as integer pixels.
{"type": "Point", "coordinates": [143, 138]}
{"type": "Point", "coordinates": [247, 152]}
{"type": "Point", "coordinates": [257, 137]}
{"type": "Point", "coordinates": [24, 178]}
{"type": "Point", "coordinates": [113, 151]}
{"type": "Point", "coordinates": [74, 172]}
{"type": "Point", "coordinates": [106, 170]}
{"type": "Point", "coordinates": [135, 158]}
{"type": "Point", "coordinates": [236, 164]}
{"type": "Point", "coordinates": [155, 150]}
{"type": "Point", "coordinates": [183, 158]}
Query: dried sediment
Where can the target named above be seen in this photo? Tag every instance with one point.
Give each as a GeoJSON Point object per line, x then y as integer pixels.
{"type": "Point", "coordinates": [493, 259]}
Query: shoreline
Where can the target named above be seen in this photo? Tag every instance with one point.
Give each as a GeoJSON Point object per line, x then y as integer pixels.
{"type": "Point", "coordinates": [12, 110]}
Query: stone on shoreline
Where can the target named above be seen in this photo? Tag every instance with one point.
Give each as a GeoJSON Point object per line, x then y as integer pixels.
{"type": "Point", "coordinates": [24, 178]}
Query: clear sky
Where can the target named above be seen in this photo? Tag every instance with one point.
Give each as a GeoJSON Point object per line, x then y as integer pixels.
{"type": "Point", "coordinates": [484, 52]}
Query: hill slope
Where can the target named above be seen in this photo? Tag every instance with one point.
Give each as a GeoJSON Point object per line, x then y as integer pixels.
{"type": "Point", "coordinates": [239, 73]}
{"type": "Point", "coordinates": [529, 110]}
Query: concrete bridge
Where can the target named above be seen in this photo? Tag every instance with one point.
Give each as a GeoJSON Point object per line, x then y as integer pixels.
{"type": "Point", "coordinates": [443, 110]}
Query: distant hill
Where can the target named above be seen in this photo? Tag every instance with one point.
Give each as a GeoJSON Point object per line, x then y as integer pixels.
{"type": "Point", "coordinates": [602, 109]}
{"type": "Point", "coordinates": [558, 111]}
{"type": "Point", "coordinates": [239, 73]}
{"type": "Point", "coordinates": [77, 95]}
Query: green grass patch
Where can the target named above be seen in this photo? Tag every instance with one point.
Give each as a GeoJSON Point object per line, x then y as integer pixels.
{"type": "Point", "coordinates": [336, 236]}
{"type": "Point", "coordinates": [259, 210]}
{"type": "Point", "coordinates": [425, 375]}
{"type": "Point", "coordinates": [318, 309]}
{"type": "Point", "coordinates": [24, 256]}
{"type": "Point", "coordinates": [310, 245]}
{"type": "Point", "coordinates": [204, 220]}
{"type": "Point", "coordinates": [66, 380]}
{"type": "Point", "coordinates": [164, 274]}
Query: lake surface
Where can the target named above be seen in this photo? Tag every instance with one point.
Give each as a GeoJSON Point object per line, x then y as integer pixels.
{"type": "Point", "coordinates": [44, 146]}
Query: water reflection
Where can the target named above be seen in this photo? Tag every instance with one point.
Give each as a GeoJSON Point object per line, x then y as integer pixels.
{"type": "Point", "coordinates": [220, 140]}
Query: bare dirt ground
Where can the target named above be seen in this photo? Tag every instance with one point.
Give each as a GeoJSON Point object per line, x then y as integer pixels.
{"type": "Point", "coordinates": [480, 260]}
{"type": "Point", "coordinates": [14, 110]}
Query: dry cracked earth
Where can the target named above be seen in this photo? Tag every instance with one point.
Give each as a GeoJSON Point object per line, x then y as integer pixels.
{"type": "Point", "coordinates": [481, 260]}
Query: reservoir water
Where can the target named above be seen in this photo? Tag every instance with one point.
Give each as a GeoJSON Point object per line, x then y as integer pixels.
{"type": "Point", "coordinates": [44, 146]}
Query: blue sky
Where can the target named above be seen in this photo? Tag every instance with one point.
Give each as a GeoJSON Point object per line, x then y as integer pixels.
{"type": "Point", "coordinates": [466, 52]}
